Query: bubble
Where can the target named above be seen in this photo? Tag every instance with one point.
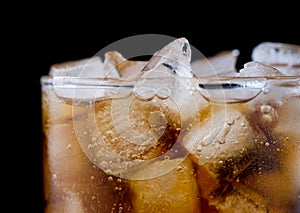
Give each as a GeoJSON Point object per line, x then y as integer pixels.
{"type": "Point", "coordinates": [266, 90]}
{"type": "Point", "coordinates": [69, 146]}
{"type": "Point", "coordinates": [221, 141]}
{"type": "Point", "coordinates": [103, 164]}
{"type": "Point", "coordinates": [167, 157]}
{"type": "Point", "coordinates": [229, 121]}
{"type": "Point", "coordinates": [266, 109]}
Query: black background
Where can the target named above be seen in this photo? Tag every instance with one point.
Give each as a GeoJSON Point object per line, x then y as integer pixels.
{"type": "Point", "coordinates": [51, 34]}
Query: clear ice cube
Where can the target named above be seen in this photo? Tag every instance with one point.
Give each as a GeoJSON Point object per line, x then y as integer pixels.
{"type": "Point", "coordinates": [222, 145]}
{"type": "Point", "coordinates": [173, 60]}
{"type": "Point", "coordinates": [257, 69]}
{"type": "Point", "coordinates": [115, 62]}
{"type": "Point", "coordinates": [272, 53]}
{"type": "Point", "coordinates": [175, 191]}
{"type": "Point", "coordinates": [282, 56]}
{"type": "Point", "coordinates": [221, 64]}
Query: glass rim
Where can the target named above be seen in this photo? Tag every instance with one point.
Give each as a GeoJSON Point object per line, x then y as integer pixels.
{"type": "Point", "coordinates": [48, 80]}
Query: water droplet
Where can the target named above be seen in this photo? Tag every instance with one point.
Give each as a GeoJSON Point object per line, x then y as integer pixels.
{"type": "Point", "coordinates": [221, 162]}
{"type": "Point", "coordinates": [110, 178]}
{"type": "Point", "coordinates": [267, 144]}
{"type": "Point", "coordinates": [266, 90]}
{"type": "Point", "coordinates": [69, 146]}
{"type": "Point", "coordinates": [94, 140]}
{"type": "Point", "coordinates": [119, 180]}
{"type": "Point", "coordinates": [84, 133]}
{"type": "Point", "coordinates": [167, 157]}
{"type": "Point", "coordinates": [93, 197]}
{"type": "Point", "coordinates": [53, 178]}
{"type": "Point", "coordinates": [92, 177]}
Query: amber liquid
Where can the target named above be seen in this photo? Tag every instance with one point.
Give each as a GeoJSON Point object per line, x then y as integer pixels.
{"type": "Point", "coordinates": [257, 171]}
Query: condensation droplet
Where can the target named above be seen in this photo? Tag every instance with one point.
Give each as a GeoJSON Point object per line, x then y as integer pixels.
{"type": "Point", "coordinates": [267, 144]}
{"type": "Point", "coordinates": [110, 178]}
{"type": "Point", "coordinates": [220, 162]}
{"type": "Point", "coordinates": [167, 157]}
{"type": "Point", "coordinates": [93, 197]}
{"type": "Point", "coordinates": [92, 177]}
{"type": "Point", "coordinates": [53, 178]}
{"type": "Point", "coordinates": [119, 180]}
{"type": "Point", "coordinates": [69, 146]}
{"type": "Point", "coordinates": [266, 90]}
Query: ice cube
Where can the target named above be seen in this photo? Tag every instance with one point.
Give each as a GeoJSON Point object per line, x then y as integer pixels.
{"type": "Point", "coordinates": [221, 64]}
{"type": "Point", "coordinates": [126, 68]}
{"type": "Point", "coordinates": [126, 133]}
{"type": "Point", "coordinates": [175, 191]}
{"type": "Point", "coordinates": [257, 69]}
{"type": "Point", "coordinates": [173, 60]}
{"type": "Point", "coordinates": [274, 53]}
{"type": "Point", "coordinates": [74, 181]}
{"type": "Point", "coordinates": [222, 145]}
{"type": "Point", "coordinates": [122, 134]}
{"type": "Point", "coordinates": [76, 79]}
{"type": "Point", "coordinates": [275, 186]}
{"type": "Point", "coordinates": [239, 200]}
{"type": "Point", "coordinates": [275, 173]}
{"type": "Point", "coordinates": [282, 56]}
{"type": "Point", "coordinates": [88, 67]}
{"type": "Point", "coordinates": [130, 69]}
{"type": "Point", "coordinates": [111, 60]}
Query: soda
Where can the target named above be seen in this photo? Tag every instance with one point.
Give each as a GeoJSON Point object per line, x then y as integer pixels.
{"type": "Point", "coordinates": [165, 140]}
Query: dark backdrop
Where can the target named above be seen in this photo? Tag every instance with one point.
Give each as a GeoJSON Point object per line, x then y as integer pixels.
{"type": "Point", "coordinates": [41, 38]}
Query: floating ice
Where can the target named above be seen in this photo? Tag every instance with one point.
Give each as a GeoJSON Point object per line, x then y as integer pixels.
{"type": "Point", "coordinates": [284, 57]}
{"type": "Point", "coordinates": [173, 60]}
{"type": "Point", "coordinates": [257, 69]}
{"type": "Point", "coordinates": [273, 53]}
{"type": "Point", "coordinates": [221, 64]}
{"type": "Point", "coordinates": [88, 67]}
{"type": "Point", "coordinates": [116, 63]}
